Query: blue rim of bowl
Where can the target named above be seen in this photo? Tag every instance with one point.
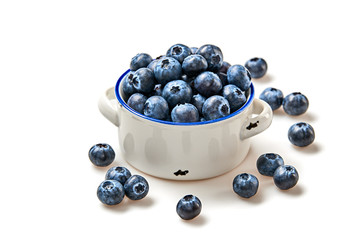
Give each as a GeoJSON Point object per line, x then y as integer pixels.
{"type": "Point", "coordinates": [123, 103]}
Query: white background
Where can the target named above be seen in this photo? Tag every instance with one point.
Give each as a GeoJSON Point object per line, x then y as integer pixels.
{"type": "Point", "coordinates": [58, 57]}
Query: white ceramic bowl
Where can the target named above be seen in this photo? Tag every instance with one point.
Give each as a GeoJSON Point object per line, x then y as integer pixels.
{"type": "Point", "coordinates": [184, 151]}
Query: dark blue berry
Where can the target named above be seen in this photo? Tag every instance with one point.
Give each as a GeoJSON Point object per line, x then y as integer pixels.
{"type": "Point", "coordinates": [223, 78]}
{"type": "Point", "coordinates": [285, 177]}
{"type": "Point", "coordinates": [257, 67]}
{"type": "Point", "coordinates": [120, 174]}
{"type": "Point", "coordinates": [183, 113]}
{"type": "Point", "coordinates": [267, 163]}
{"type": "Point", "coordinates": [127, 85]}
{"type": "Point", "coordinates": [295, 104]}
{"type": "Point", "coordinates": [137, 102]}
{"type": "Point", "coordinates": [179, 52]}
{"type": "Point", "coordinates": [301, 134]}
{"type": "Point", "coordinates": [213, 56]}
{"type": "Point", "coordinates": [139, 61]}
{"type": "Point", "coordinates": [235, 97]}
{"type": "Point", "coordinates": [274, 97]}
{"type": "Point", "coordinates": [207, 84]}
{"type": "Point", "coordinates": [224, 67]}
{"type": "Point", "coordinates": [156, 107]}
{"type": "Point", "coordinates": [110, 192]}
{"type": "Point", "coordinates": [136, 187]}
{"type": "Point", "coordinates": [198, 101]}
{"type": "Point", "coordinates": [152, 64]}
{"type": "Point", "coordinates": [143, 80]}
{"type": "Point", "coordinates": [101, 154]}
{"type": "Point", "coordinates": [245, 185]}
{"type": "Point", "coordinates": [239, 76]}
{"type": "Point", "coordinates": [167, 69]}
{"type": "Point", "coordinates": [215, 107]}
{"type": "Point", "coordinates": [194, 64]}
{"type": "Point", "coordinates": [176, 92]}
{"type": "Point", "coordinates": [188, 207]}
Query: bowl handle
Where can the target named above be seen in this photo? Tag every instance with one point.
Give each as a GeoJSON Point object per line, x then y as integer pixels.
{"type": "Point", "coordinates": [109, 106]}
{"type": "Point", "coordinates": [258, 120]}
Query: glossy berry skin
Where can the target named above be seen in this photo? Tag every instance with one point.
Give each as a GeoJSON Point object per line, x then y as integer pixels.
{"type": "Point", "coordinates": [245, 185]}
{"type": "Point", "coordinates": [179, 52]}
{"type": "Point", "coordinates": [207, 84]}
{"type": "Point", "coordinates": [267, 163]}
{"type": "Point", "coordinates": [120, 174]}
{"type": "Point", "coordinates": [198, 101]}
{"type": "Point", "coordinates": [184, 113]}
{"type": "Point", "coordinates": [273, 96]}
{"type": "Point", "coordinates": [223, 78]}
{"type": "Point", "coordinates": [167, 69]}
{"type": "Point", "coordinates": [101, 154]}
{"type": "Point", "coordinates": [127, 85]}
{"type": "Point", "coordinates": [257, 67]}
{"type": "Point", "coordinates": [295, 104]}
{"type": "Point", "coordinates": [285, 177]}
{"type": "Point", "coordinates": [139, 61]}
{"type": "Point", "coordinates": [301, 134]}
{"type": "Point", "coordinates": [137, 102]}
{"type": "Point", "coordinates": [194, 64]}
{"type": "Point", "coordinates": [136, 187]}
{"type": "Point", "coordinates": [143, 80]}
{"type": "Point", "coordinates": [215, 107]}
{"type": "Point", "coordinates": [152, 64]}
{"type": "Point", "coordinates": [110, 192]}
{"type": "Point", "coordinates": [235, 97]}
{"type": "Point", "coordinates": [176, 92]}
{"type": "Point", "coordinates": [156, 107]}
{"type": "Point", "coordinates": [193, 50]}
{"type": "Point", "coordinates": [224, 67]}
{"type": "Point", "coordinates": [213, 56]}
{"type": "Point", "coordinates": [239, 76]}
{"type": "Point", "coordinates": [188, 207]}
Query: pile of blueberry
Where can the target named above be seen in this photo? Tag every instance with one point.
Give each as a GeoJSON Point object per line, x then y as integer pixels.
{"type": "Point", "coordinates": [188, 84]}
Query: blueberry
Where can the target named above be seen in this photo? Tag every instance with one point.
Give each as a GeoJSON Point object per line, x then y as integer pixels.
{"type": "Point", "coordinates": [207, 84]}
{"type": "Point", "coordinates": [295, 104]}
{"type": "Point", "coordinates": [213, 56]}
{"type": "Point", "coordinates": [156, 107]}
{"type": "Point", "coordinates": [101, 154]}
{"type": "Point", "coordinates": [223, 78]}
{"type": "Point", "coordinates": [120, 174]}
{"type": "Point", "coordinates": [127, 86]}
{"type": "Point", "coordinates": [187, 78]}
{"type": "Point", "coordinates": [193, 50]}
{"type": "Point", "coordinates": [185, 113]}
{"type": "Point", "coordinates": [239, 76]}
{"type": "Point", "coordinates": [274, 97]}
{"type": "Point", "coordinates": [301, 134]}
{"type": "Point", "coordinates": [267, 163]}
{"type": "Point", "coordinates": [157, 91]}
{"type": "Point", "coordinates": [224, 67]}
{"type": "Point", "coordinates": [188, 207]}
{"type": "Point", "coordinates": [110, 192]}
{"type": "Point", "coordinates": [136, 187]}
{"type": "Point", "coordinates": [235, 97]}
{"type": "Point", "coordinates": [152, 64]}
{"type": "Point", "coordinates": [257, 67]}
{"type": "Point", "coordinates": [245, 185]}
{"type": "Point", "coordinates": [143, 80]}
{"type": "Point", "coordinates": [285, 177]}
{"type": "Point", "coordinates": [176, 92]}
{"type": "Point", "coordinates": [194, 64]}
{"type": "Point", "coordinates": [179, 52]}
{"type": "Point", "coordinates": [137, 102]}
{"type": "Point", "coordinates": [198, 101]}
{"type": "Point", "coordinates": [215, 107]}
{"type": "Point", "coordinates": [139, 61]}
{"type": "Point", "coordinates": [167, 69]}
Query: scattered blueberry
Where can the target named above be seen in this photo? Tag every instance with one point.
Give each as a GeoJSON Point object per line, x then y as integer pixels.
{"type": "Point", "coordinates": [285, 177]}
{"type": "Point", "coordinates": [235, 97]}
{"type": "Point", "coordinates": [193, 50]}
{"type": "Point", "coordinates": [188, 207]}
{"type": "Point", "coordinates": [139, 61]}
{"type": "Point", "coordinates": [176, 92]}
{"type": "Point", "coordinates": [198, 101]}
{"type": "Point", "coordinates": [120, 174]}
{"type": "Point", "coordinates": [239, 76]}
{"type": "Point", "coordinates": [167, 69]}
{"type": "Point", "coordinates": [245, 185]}
{"type": "Point", "coordinates": [257, 67]}
{"type": "Point", "coordinates": [185, 113]}
{"type": "Point", "coordinates": [224, 67]}
{"type": "Point", "coordinates": [301, 134]}
{"type": "Point", "coordinates": [295, 103]}
{"type": "Point", "coordinates": [215, 107]}
{"type": "Point", "coordinates": [194, 64]}
{"type": "Point", "coordinates": [143, 80]}
{"type": "Point", "coordinates": [136, 187]}
{"type": "Point", "coordinates": [110, 192]}
{"type": "Point", "coordinates": [127, 86]}
{"type": "Point", "coordinates": [213, 56]}
{"type": "Point", "coordinates": [274, 97]}
{"type": "Point", "coordinates": [101, 154]}
{"type": "Point", "coordinates": [137, 102]}
{"type": "Point", "coordinates": [267, 163]}
{"type": "Point", "coordinates": [207, 84]}
{"type": "Point", "coordinates": [179, 52]}
{"type": "Point", "coordinates": [156, 107]}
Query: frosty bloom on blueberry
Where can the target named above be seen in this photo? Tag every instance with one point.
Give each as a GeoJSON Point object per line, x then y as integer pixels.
{"type": "Point", "coordinates": [110, 192]}
{"type": "Point", "coordinates": [188, 207]}
{"type": "Point", "coordinates": [301, 134]}
{"type": "Point", "coordinates": [139, 61]}
{"type": "Point", "coordinates": [213, 56]}
{"type": "Point", "coordinates": [167, 69]}
{"type": "Point", "coordinates": [245, 185]}
{"type": "Point", "coordinates": [295, 104]}
{"type": "Point", "coordinates": [176, 92]}
{"type": "Point", "coordinates": [257, 67]}
{"type": "Point", "coordinates": [101, 154]}
{"type": "Point", "coordinates": [179, 52]}
{"type": "Point", "coordinates": [273, 96]}
{"type": "Point", "coordinates": [239, 76]}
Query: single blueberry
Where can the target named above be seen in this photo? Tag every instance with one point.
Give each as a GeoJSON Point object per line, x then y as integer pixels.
{"type": "Point", "coordinates": [136, 187]}
{"type": "Point", "coordinates": [157, 91]}
{"type": "Point", "coordinates": [128, 86]}
{"type": "Point", "coordinates": [137, 102]}
{"type": "Point", "coordinates": [235, 97]}
{"type": "Point", "coordinates": [273, 96]}
{"type": "Point", "coordinates": [245, 185]}
{"type": "Point", "coordinates": [194, 64]}
{"type": "Point", "coordinates": [120, 174]}
{"type": "Point", "coordinates": [223, 78]}
{"type": "Point", "coordinates": [193, 50]}
{"type": "Point", "coordinates": [101, 154]}
{"type": "Point", "coordinates": [152, 64]}
{"type": "Point", "coordinates": [188, 207]}
{"type": "Point", "coordinates": [213, 56]}
{"type": "Point", "coordinates": [143, 80]}
{"type": "Point", "coordinates": [215, 107]}
{"type": "Point", "coordinates": [285, 177]}
{"type": "Point", "coordinates": [156, 107]}
{"type": "Point", "coordinates": [239, 76]}
{"type": "Point", "coordinates": [198, 101]}
{"type": "Point", "coordinates": [110, 192]}
{"type": "Point", "coordinates": [179, 52]}
{"type": "Point", "coordinates": [207, 84]}
{"type": "Point", "coordinates": [183, 113]}
{"type": "Point", "coordinates": [257, 67]}
{"type": "Point", "coordinates": [295, 104]}
{"type": "Point", "coordinates": [301, 134]}
{"type": "Point", "coordinates": [267, 163]}
{"type": "Point", "coordinates": [176, 92]}
{"type": "Point", "coordinates": [167, 69]}
{"type": "Point", "coordinates": [139, 61]}
{"type": "Point", "coordinates": [224, 67]}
